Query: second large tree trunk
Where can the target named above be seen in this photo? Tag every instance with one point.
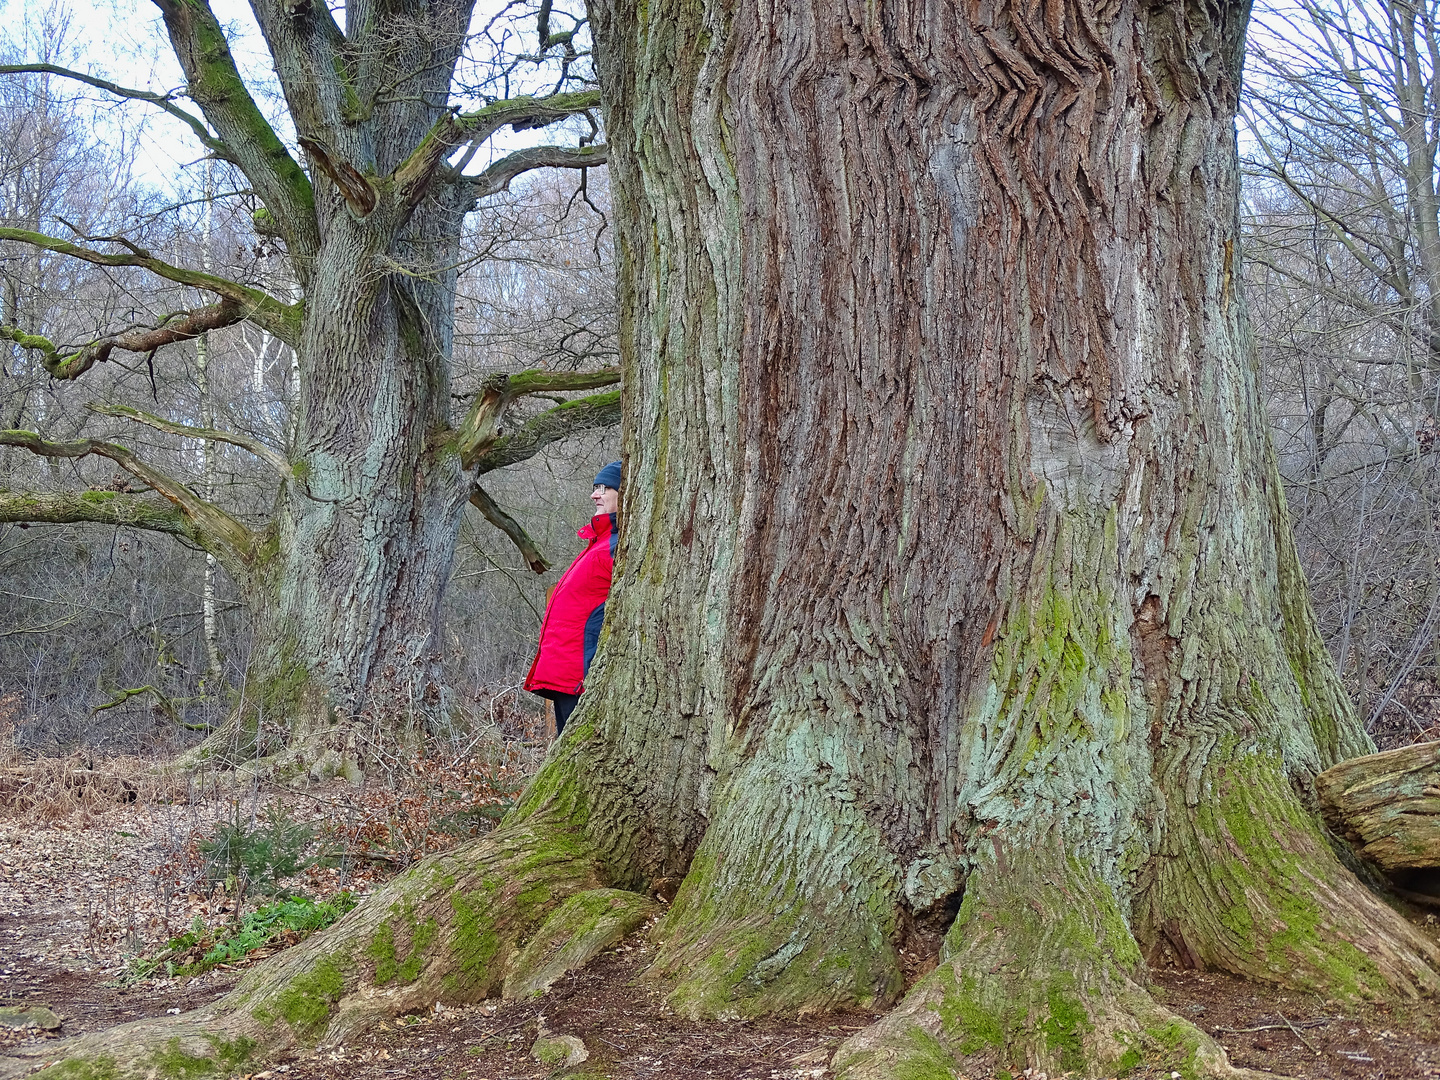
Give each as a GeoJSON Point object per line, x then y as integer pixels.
{"type": "Point", "coordinates": [347, 661]}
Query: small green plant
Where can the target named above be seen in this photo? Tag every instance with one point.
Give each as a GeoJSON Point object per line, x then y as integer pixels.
{"type": "Point", "coordinates": [199, 949]}
{"type": "Point", "coordinates": [297, 917]}
{"type": "Point", "coordinates": [239, 855]}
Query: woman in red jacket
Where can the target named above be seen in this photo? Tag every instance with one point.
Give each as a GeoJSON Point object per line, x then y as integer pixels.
{"type": "Point", "coordinates": [571, 628]}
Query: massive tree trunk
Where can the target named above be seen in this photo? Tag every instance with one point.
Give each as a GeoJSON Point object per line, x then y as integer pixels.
{"type": "Point", "coordinates": [957, 611]}
{"type": "Point", "coordinates": [952, 510]}
{"type": "Point", "coordinates": [349, 611]}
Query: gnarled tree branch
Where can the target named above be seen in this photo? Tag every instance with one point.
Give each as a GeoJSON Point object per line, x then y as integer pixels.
{"type": "Point", "coordinates": [214, 83]}
{"type": "Point", "coordinates": [481, 427]}
{"type": "Point", "coordinates": [250, 304]}
{"type": "Point", "coordinates": [497, 177]}
{"type": "Point", "coordinates": [184, 326]}
{"type": "Point", "coordinates": [353, 184]}
{"type": "Point", "coordinates": [584, 414]}
{"type": "Point", "coordinates": [267, 454]}
{"type": "Point", "coordinates": [151, 513]}
{"type": "Point", "coordinates": [413, 176]}
{"type": "Point", "coordinates": [481, 500]}
{"type": "Point", "coordinates": [483, 448]}
{"type": "Point", "coordinates": [225, 537]}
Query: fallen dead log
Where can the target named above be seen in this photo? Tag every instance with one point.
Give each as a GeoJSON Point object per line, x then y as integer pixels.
{"type": "Point", "coordinates": [1387, 805]}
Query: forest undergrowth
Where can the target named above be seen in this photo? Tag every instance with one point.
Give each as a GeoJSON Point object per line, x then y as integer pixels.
{"type": "Point", "coordinates": [130, 890]}
{"type": "Point", "coordinates": [147, 872]}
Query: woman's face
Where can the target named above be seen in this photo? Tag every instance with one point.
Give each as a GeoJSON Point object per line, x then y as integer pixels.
{"type": "Point", "coordinates": [606, 499]}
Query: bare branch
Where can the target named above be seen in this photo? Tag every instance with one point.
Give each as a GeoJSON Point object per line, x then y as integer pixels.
{"type": "Point", "coordinates": [147, 512]}
{"type": "Point", "coordinates": [253, 305]}
{"type": "Point", "coordinates": [572, 418]}
{"type": "Point", "coordinates": [184, 326]}
{"type": "Point", "coordinates": [225, 537]}
{"type": "Point", "coordinates": [164, 101]}
{"type": "Point", "coordinates": [214, 83]}
{"type": "Point", "coordinates": [498, 176]}
{"type": "Point", "coordinates": [525, 113]}
{"type": "Point", "coordinates": [413, 176]}
{"type": "Point", "coordinates": [481, 500]}
{"type": "Point", "coordinates": [265, 453]}
{"type": "Point", "coordinates": [481, 427]}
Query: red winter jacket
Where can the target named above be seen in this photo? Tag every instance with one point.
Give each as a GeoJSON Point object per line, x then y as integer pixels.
{"type": "Point", "coordinates": [575, 612]}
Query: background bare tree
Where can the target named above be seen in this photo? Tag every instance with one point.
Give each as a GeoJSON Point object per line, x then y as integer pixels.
{"type": "Point", "coordinates": [306, 290]}
{"type": "Point", "coordinates": [1343, 268]}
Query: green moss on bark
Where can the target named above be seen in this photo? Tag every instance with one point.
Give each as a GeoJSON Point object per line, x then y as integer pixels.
{"type": "Point", "coordinates": [173, 1063]}
{"type": "Point", "coordinates": [1262, 852]}
{"type": "Point", "coordinates": [305, 1004]}
{"type": "Point", "coordinates": [731, 954]}
{"type": "Point", "coordinates": [1039, 970]}
{"type": "Point", "coordinates": [421, 935]}
{"type": "Point", "coordinates": [102, 1067]}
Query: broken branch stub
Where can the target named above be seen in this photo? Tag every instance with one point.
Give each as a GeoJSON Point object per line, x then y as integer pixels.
{"type": "Point", "coordinates": [1387, 805]}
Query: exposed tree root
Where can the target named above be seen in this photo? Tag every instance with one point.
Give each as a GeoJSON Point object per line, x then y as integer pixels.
{"type": "Point", "coordinates": [1247, 883]}
{"type": "Point", "coordinates": [578, 930]}
{"type": "Point", "coordinates": [788, 910]}
{"type": "Point", "coordinates": [1039, 970]}
{"type": "Point", "coordinates": [446, 930]}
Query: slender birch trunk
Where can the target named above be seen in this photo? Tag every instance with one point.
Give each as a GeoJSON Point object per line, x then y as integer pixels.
{"type": "Point", "coordinates": [214, 669]}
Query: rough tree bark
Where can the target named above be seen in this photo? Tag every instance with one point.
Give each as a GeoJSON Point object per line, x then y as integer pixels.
{"type": "Point", "coordinates": [1388, 806]}
{"type": "Point", "coordinates": [346, 580]}
{"type": "Point", "coordinates": [957, 610]}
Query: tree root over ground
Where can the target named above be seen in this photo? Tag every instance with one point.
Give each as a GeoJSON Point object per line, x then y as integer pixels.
{"type": "Point", "coordinates": [1039, 970]}
{"type": "Point", "coordinates": [445, 931]}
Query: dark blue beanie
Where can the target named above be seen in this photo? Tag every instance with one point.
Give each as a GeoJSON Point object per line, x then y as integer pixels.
{"type": "Point", "coordinates": [609, 476]}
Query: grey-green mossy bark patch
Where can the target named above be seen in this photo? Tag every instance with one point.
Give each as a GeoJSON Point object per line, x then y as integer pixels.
{"type": "Point", "coordinates": [21, 1017]}
{"type": "Point", "coordinates": [579, 929]}
{"type": "Point", "coordinates": [1039, 971]}
{"type": "Point", "coordinates": [559, 1051]}
{"type": "Point", "coordinates": [1248, 884]}
{"type": "Point", "coordinates": [201, 1043]}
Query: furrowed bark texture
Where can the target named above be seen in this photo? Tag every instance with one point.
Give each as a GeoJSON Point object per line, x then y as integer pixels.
{"type": "Point", "coordinates": [368, 528]}
{"type": "Point", "coordinates": [951, 521]}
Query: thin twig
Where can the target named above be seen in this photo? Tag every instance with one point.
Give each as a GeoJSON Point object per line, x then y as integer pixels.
{"type": "Point", "coordinates": [1274, 1027]}
{"type": "Point", "coordinates": [1296, 1030]}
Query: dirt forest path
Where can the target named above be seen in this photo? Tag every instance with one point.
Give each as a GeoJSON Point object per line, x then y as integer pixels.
{"type": "Point", "coordinates": [77, 897]}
